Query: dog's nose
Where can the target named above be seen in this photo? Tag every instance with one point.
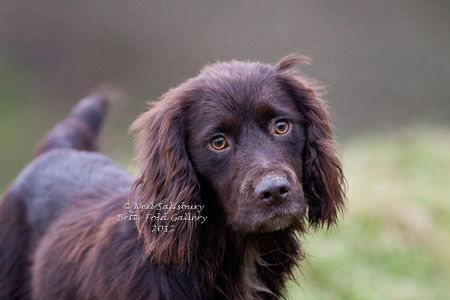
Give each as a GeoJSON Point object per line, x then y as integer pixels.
{"type": "Point", "coordinates": [272, 189]}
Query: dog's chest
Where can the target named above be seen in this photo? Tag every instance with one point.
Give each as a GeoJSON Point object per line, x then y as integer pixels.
{"type": "Point", "coordinates": [252, 286]}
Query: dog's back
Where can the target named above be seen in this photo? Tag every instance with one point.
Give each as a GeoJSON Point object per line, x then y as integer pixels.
{"type": "Point", "coordinates": [65, 171]}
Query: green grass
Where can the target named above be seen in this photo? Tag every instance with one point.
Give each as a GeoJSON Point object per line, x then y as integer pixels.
{"type": "Point", "coordinates": [394, 239]}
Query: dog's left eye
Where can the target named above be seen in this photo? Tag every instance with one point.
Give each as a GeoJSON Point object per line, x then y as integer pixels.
{"type": "Point", "coordinates": [218, 142]}
{"type": "Point", "coordinates": [281, 127]}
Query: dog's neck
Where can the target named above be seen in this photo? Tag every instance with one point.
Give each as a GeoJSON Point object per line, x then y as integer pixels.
{"type": "Point", "coordinates": [246, 266]}
{"type": "Point", "coordinates": [252, 285]}
{"type": "Point", "coordinates": [260, 264]}
{"type": "Point", "coordinates": [242, 267]}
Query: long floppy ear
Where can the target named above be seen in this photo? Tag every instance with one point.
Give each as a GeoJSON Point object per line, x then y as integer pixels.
{"type": "Point", "coordinates": [167, 178]}
{"type": "Point", "coordinates": [323, 179]}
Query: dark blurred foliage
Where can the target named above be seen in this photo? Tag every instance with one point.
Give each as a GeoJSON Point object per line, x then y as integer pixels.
{"type": "Point", "coordinates": [386, 63]}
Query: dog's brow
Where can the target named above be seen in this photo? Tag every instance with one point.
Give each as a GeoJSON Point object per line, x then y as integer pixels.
{"type": "Point", "coordinates": [220, 124]}
{"type": "Point", "coordinates": [280, 107]}
{"type": "Point", "coordinates": [268, 110]}
{"type": "Point", "coordinates": [263, 108]}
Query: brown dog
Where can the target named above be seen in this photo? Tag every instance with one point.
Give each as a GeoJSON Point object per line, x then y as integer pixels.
{"type": "Point", "coordinates": [235, 163]}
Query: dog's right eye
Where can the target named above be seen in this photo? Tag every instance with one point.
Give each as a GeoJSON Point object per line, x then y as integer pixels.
{"type": "Point", "coordinates": [218, 142]}
{"type": "Point", "coordinates": [281, 127]}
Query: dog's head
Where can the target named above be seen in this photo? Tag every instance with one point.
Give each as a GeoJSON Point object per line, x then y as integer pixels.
{"type": "Point", "coordinates": [255, 136]}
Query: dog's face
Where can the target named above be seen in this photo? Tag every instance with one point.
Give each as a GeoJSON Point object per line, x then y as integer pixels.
{"type": "Point", "coordinates": [245, 137]}
{"type": "Point", "coordinates": [255, 137]}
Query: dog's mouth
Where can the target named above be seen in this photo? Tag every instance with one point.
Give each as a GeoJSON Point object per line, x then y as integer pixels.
{"type": "Point", "coordinates": [279, 219]}
{"type": "Point", "coordinates": [276, 223]}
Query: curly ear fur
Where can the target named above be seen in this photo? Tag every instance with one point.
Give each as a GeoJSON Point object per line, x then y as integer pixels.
{"type": "Point", "coordinates": [167, 177]}
{"type": "Point", "coordinates": [323, 179]}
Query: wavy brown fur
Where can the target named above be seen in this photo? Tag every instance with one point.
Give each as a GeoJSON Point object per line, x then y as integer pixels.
{"type": "Point", "coordinates": [59, 235]}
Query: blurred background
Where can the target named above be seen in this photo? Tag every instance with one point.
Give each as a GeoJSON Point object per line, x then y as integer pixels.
{"type": "Point", "coordinates": [387, 68]}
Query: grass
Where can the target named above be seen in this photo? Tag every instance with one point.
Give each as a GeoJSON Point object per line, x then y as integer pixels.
{"type": "Point", "coordinates": [394, 240]}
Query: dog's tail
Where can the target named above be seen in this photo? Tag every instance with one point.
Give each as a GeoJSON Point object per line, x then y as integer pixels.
{"type": "Point", "coordinates": [81, 127]}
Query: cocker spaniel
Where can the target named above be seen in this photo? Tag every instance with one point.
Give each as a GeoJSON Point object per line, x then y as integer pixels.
{"type": "Point", "coordinates": [236, 164]}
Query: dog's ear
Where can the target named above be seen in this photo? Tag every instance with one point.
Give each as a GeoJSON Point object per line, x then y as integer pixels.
{"type": "Point", "coordinates": [167, 178]}
{"type": "Point", "coordinates": [323, 179]}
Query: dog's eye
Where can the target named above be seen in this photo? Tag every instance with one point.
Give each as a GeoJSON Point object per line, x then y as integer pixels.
{"type": "Point", "coordinates": [281, 127]}
{"type": "Point", "coordinates": [218, 142]}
